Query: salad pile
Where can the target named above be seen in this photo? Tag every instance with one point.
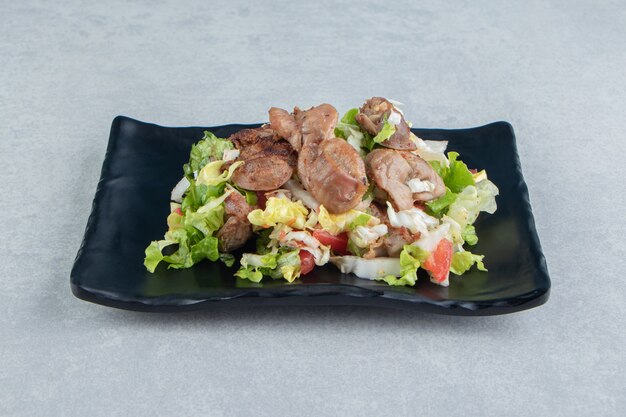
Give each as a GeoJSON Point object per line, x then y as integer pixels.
{"type": "Point", "coordinates": [362, 192]}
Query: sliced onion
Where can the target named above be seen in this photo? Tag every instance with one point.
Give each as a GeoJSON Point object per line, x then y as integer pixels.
{"type": "Point", "coordinates": [179, 190]}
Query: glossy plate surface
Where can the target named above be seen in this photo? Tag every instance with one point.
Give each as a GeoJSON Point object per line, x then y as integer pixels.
{"type": "Point", "coordinates": [144, 161]}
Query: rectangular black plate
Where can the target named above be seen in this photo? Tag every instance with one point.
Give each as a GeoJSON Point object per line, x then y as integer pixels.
{"type": "Point", "coordinates": [144, 161]}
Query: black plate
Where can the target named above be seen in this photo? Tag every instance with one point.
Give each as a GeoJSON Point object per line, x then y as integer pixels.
{"type": "Point", "coordinates": [144, 161]}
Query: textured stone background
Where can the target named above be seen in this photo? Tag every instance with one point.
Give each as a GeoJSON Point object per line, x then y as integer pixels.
{"type": "Point", "coordinates": [554, 70]}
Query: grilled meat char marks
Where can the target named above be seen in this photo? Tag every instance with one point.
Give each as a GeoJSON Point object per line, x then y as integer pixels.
{"type": "Point", "coordinates": [372, 116]}
{"type": "Point", "coordinates": [269, 160]}
{"type": "Point", "coordinates": [391, 171]}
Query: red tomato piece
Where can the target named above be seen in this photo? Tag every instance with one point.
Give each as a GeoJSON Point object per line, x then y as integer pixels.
{"type": "Point", "coordinates": [339, 243]}
{"type": "Point", "coordinates": [307, 262]}
{"type": "Point", "coordinates": [438, 263]}
{"type": "Point", "coordinates": [178, 211]}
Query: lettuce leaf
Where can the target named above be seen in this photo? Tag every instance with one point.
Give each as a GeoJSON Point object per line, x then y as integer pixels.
{"type": "Point", "coordinates": [411, 259]}
{"type": "Point", "coordinates": [469, 235]}
{"type": "Point", "coordinates": [348, 129]}
{"type": "Point", "coordinates": [228, 259]}
{"type": "Point", "coordinates": [463, 261]}
{"type": "Point", "coordinates": [440, 204]}
{"type": "Point", "coordinates": [212, 175]}
{"type": "Point", "coordinates": [471, 201]}
{"type": "Point", "coordinates": [192, 232]}
{"type": "Point", "coordinates": [251, 197]}
{"type": "Point", "coordinates": [209, 148]}
{"type": "Point", "coordinates": [337, 223]}
{"type": "Point", "coordinates": [280, 211]}
{"type": "Point", "coordinates": [277, 264]}
{"type": "Point", "coordinates": [192, 248]}
{"type": "Point", "coordinates": [456, 176]}
{"type": "Point", "coordinates": [385, 133]}
{"type": "Point", "coordinates": [348, 120]}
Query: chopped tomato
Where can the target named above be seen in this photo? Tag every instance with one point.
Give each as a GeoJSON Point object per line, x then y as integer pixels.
{"type": "Point", "coordinates": [339, 243]}
{"type": "Point", "coordinates": [178, 211]}
{"type": "Point", "coordinates": [261, 199]}
{"type": "Point", "coordinates": [438, 263]}
{"type": "Point", "coordinates": [473, 170]}
{"type": "Point", "coordinates": [307, 262]}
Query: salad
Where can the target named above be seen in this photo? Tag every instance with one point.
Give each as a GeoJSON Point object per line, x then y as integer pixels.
{"type": "Point", "coordinates": [362, 192]}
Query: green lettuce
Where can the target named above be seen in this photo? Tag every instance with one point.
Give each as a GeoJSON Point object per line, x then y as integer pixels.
{"type": "Point", "coordinates": [228, 259]}
{"type": "Point", "coordinates": [411, 259]}
{"type": "Point", "coordinates": [469, 235]}
{"type": "Point", "coordinates": [347, 121]}
{"type": "Point", "coordinates": [251, 197]}
{"type": "Point", "coordinates": [438, 206]}
{"type": "Point", "coordinates": [385, 133]}
{"type": "Point", "coordinates": [192, 248]}
{"type": "Point", "coordinates": [471, 201]}
{"type": "Point", "coordinates": [348, 129]}
{"type": "Point", "coordinates": [193, 233]}
{"type": "Point", "coordinates": [463, 261]}
{"type": "Point", "coordinates": [208, 149]}
{"type": "Point", "coordinates": [277, 264]}
{"type": "Point", "coordinates": [456, 176]}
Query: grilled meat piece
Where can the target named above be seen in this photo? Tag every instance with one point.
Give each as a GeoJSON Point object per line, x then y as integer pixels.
{"type": "Point", "coordinates": [269, 160]}
{"type": "Point", "coordinates": [236, 229]}
{"type": "Point", "coordinates": [335, 174]}
{"type": "Point", "coordinates": [372, 116]}
{"type": "Point", "coordinates": [300, 127]}
{"type": "Point", "coordinates": [391, 171]}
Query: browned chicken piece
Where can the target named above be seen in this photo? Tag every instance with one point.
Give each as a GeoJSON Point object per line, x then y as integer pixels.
{"type": "Point", "coordinates": [391, 170]}
{"type": "Point", "coordinates": [390, 173]}
{"type": "Point", "coordinates": [392, 243]}
{"type": "Point", "coordinates": [335, 176]}
{"type": "Point", "coordinates": [269, 160]}
{"type": "Point", "coordinates": [372, 116]}
{"type": "Point", "coordinates": [286, 127]}
{"type": "Point", "coordinates": [328, 168]}
{"type": "Point", "coordinates": [306, 158]}
{"type": "Point", "coordinates": [313, 125]}
{"type": "Point", "coordinates": [317, 123]}
{"type": "Point", "coordinates": [423, 171]}
{"type": "Point", "coordinates": [236, 229]}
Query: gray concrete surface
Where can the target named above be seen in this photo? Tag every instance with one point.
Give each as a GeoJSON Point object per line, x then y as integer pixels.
{"type": "Point", "coordinates": [555, 70]}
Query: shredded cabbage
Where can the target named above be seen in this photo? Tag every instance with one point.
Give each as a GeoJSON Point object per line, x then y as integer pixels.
{"type": "Point", "coordinates": [363, 236]}
{"type": "Point", "coordinates": [338, 223]}
{"type": "Point", "coordinates": [210, 175]}
{"type": "Point", "coordinates": [275, 264]}
{"type": "Point", "coordinates": [280, 211]}
{"type": "Point", "coordinates": [413, 219]}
